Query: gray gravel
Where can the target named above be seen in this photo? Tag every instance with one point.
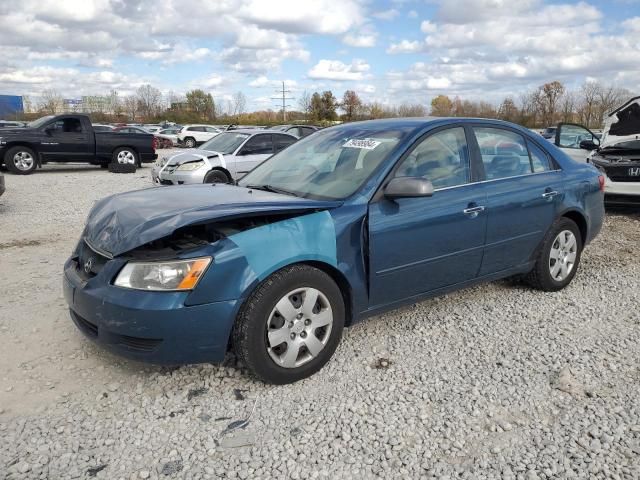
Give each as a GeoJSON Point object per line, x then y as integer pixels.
{"type": "Point", "coordinates": [496, 381]}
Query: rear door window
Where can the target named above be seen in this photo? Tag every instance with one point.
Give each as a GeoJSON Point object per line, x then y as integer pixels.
{"type": "Point", "coordinates": [504, 153]}
{"type": "Point", "coordinates": [280, 142]}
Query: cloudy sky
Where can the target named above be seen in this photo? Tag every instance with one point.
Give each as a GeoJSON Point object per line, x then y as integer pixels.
{"type": "Point", "coordinates": [391, 51]}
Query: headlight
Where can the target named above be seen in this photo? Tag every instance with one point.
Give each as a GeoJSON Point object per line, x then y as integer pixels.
{"type": "Point", "coordinates": [187, 167]}
{"type": "Point", "coordinates": [163, 276]}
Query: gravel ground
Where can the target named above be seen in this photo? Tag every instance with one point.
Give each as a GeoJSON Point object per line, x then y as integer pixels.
{"type": "Point", "coordinates": [496, 381]}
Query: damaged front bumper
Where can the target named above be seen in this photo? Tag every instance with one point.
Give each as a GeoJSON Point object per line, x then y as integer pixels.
{"type": "Point", "coordinates": [154, 327]}
{"type": "Point", "coordinates": [622, 181]}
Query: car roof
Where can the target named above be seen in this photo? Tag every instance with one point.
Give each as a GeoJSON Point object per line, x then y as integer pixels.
{"type": "Point", "coordinates": [254, 131]}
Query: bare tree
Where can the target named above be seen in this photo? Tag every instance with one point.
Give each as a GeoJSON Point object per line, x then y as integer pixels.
{"type": "Point", "coordinates": [130, 105]}
{"type": "Point", "coordinates": [351, 104]}
{"type": "Point", "coordinates": [549, 95]}
{"type": "Point", "coordinates": [305, 103]}
{"type": "Point", "coordinates": [238, 103]}
{"type": "Point", "coordinates": [51, 101]}
{"type": "Point", "coordinates": [149, 99]}
{"type": "Point", "coordinates": [411, 110]}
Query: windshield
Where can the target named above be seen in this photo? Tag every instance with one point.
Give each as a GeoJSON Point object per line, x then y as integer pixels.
{"type": "Point", "coordinates": [41, 121]}
{"type": "Point", "coordinates": [331, 164]}
{"type": "Point", "coordinates": [225, 142]}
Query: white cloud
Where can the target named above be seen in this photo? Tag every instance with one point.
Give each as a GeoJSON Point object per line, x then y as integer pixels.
{"type": "Point", "coordinates": [360, 40]}
{"type": "Point", "coordinates": [428, 27]}
{"type": "Point", "coordinates": [386, 14]}
{"type": "Point", "coordinates": [261, 81]}
{"type": "Point", "coordinates": [405, 46]}
{"type": "Point", "coordinates": [337, 70]}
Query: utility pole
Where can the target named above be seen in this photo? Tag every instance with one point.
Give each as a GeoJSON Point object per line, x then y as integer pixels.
{"type": "Point", "coordinates": [282, 97]}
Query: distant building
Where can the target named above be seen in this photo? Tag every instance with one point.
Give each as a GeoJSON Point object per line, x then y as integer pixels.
{"type": "Point", "coordinates": [10, 106]}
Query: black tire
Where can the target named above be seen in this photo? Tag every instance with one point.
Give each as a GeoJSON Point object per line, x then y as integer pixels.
{"type": "Point", "coordinates": [13, 166]}
{"type": "Point", "coordinates": [249, 335]}
{"type": "Point", "coordinates": [190, 142]}
{"type": "Point", "coordinates": [123, 154]}
{"type": "Point", "coordinates": [540, 277]}
{"type": "Point", "coordinates": [216, 176]}
{"type": "Point", "coordinates": [122, 168]}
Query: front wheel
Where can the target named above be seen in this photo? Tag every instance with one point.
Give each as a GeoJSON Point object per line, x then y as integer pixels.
{"type": "Point", "coordinates": [20, 160]}
{"type": "Point", "coordinates": [558, 257]}
{"type": "Point", "coordinates": [216, 176]}
{"type": "Point", "coordinates": [291, 324]}
{"type": "Point", "coordinates": [189, 142]}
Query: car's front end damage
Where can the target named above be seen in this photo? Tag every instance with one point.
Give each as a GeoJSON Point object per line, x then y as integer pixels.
{"type": "Point", "coordinates": [618, 156]}
{"type": "Point", "coordinates": [186, 168]}
{"type": "Point", "coordinates": [163, 282]}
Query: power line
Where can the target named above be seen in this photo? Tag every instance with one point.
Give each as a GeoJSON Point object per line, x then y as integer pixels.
{"type": "Point", "coordinates": [283, 98]}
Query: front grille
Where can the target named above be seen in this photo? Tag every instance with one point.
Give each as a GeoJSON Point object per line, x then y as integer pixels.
{"type": "Point", "coordinates": [170, 169]}
{"type": "Point", "coordinates": [85, 325]}
{"type": "Point", "coordinates": [622, 178]}
{"type": "Point", "coordinates": [90, 263]}
{"type": "Point", "coordinates": [139, 344]}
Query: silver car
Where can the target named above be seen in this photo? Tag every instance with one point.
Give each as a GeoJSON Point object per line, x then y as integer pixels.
{"type": "Point", "coordinates": [226, 157]}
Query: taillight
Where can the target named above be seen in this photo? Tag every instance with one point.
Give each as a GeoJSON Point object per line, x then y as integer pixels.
{"type": "Point", "coordinates": [601, 182]}
{"type": "Point", "coordinates": [154, 143]}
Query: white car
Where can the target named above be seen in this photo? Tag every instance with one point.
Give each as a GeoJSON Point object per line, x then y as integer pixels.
{"type": "Point", "coordinates": [226, 157]}
{"type": "Point", "coordinates": [616, 154]}
{"type": "Point", "coordinates": [192, 135]}
{"type": "Point", "coordinates": [170, 134]}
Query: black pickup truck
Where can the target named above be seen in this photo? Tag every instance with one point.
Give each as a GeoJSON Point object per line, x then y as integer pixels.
{"type": "Point", "coordinates": [71, 138]}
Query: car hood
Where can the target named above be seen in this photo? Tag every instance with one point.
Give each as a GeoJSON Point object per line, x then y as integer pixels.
{"type": "Point", "coordinates": [191, 155]}
{"type": "Point", "coordinates": [622, 124]}
{"type": "Point", "coordinates": [122, 222]}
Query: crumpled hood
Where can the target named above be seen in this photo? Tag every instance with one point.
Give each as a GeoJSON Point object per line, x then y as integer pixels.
{"type": "Point", "coordinates": [190, 156]}
{"type": "Point", "coordinates": [622, 124]}
{"type": "Point", "coordinates": [122, 222]}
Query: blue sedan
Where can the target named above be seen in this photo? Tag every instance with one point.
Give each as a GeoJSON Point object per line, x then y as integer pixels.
{"type": "Point", "coordinates": [347, 223]}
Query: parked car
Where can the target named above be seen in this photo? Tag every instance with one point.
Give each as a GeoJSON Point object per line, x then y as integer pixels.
{"type": "Point", "coordinates": [152, 128]}
{"type": "Point", "coordinates": [131, 129]}
{"type": "Point", "coordinates": [299, 131]}
{"type": "Point", "coordinates": [347, 223]}
{"type": "Point", "coordinates": [549, 132]}
{"type": "Point", "coordinates": [168, 137]}
{"type": "Point", "coordinates": [12, 124]}
{"type": "Point", "coordinates": [193, 135]}
{"type": "Point", "coordinates": [617, 154]}
{"type": "Point", "coordinates": [71, 138]}
{"type": "Point", "coordinates": [102, 128]}
{"type": "Point", "coordinates": [2, 184]}
{"type": "Point", "coordinates": [224, 158]}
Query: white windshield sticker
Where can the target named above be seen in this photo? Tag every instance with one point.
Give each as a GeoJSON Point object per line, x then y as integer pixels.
{"type": "Point", "coordinates": [365, 144]}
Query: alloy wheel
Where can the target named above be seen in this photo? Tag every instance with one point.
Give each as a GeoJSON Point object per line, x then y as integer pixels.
{"type": "Point", "coordinates": [126, 157]}
{"type": "Point", "coordinates": [23, 161]}
{"type": "Point", "coordinates": [562, 257]}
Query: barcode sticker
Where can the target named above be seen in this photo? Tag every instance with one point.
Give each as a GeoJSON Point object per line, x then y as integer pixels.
{"type": "Point", "coordinates": [365, 144]}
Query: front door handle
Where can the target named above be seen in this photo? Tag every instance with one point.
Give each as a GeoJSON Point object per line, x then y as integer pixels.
{"type": "Point", "coordinates": [549, 194]}
{"type": "Point", "coordinates": [473, 211]}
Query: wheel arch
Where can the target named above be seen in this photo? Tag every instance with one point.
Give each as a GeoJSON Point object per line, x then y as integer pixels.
{"type": "Point", "coordinates": [115, 149]}
{"type": "Point", "coordinates": [580, 220]}
{"type": "Point", "coordinates": [342, 282]}
{"type": "Point", "coordinates": [20, 143]}
{"type": "Point", "coordinates": [221, 169]}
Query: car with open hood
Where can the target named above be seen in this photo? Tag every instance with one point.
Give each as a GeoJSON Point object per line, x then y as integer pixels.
{"type": "Point", "coordinates": [616, 152]}
{"type": "Point", "coordinates": [223, 159]}
{"type": "Point", "coordinates": [350, 222]}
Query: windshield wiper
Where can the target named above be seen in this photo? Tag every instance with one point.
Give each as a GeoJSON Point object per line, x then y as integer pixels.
{"type": "Point", "coordinates": [271, 188]}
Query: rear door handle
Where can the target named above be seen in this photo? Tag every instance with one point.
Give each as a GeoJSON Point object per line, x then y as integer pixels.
{"type": "Point", "coordinates": [549, 194]}
{"type": "Point", "coordinates": [473, 212]}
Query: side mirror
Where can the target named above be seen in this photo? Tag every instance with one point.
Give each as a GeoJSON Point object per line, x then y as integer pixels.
{"type": "Point", "coordinates": [407, 187]}
{"type": "Point", "coordinates": [588, 145]}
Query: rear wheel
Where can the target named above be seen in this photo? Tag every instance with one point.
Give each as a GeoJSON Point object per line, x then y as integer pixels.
{"type": "Point", "coordinates": [20, 160]}
{"type": "Point", "coordinates": [216, 176]}
{"type": "Point", "coordinates": [558, 257]}
{"type": "Point", "coordinates": [124, 160]}
{"type": "Point", "coordinates": [291, 324]}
